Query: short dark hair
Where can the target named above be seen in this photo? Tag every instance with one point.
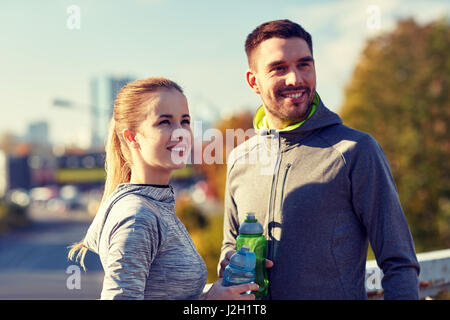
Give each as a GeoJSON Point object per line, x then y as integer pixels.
{"type": "Point", "coordinates": [275, 29]}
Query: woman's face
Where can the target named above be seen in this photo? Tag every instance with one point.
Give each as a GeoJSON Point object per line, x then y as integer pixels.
{"type": "Point", "coordinates": [165, 136]}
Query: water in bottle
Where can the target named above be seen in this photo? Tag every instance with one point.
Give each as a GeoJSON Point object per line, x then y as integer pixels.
{"type": "Point", "coordinates": [251, 235]}
{"type": "Point", "coordinates": [241, 268]}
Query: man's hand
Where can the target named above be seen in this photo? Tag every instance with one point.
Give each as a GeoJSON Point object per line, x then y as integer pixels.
{"type": "Point", "coordinates": [226, 261]}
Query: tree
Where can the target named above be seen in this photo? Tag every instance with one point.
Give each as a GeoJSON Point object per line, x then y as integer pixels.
{"type": "Point", "coordinates": [215, 173]}
{"type": "Point", "coordinates": [207, 230]}
{"type": "Point", "coordinates": [189, 213]}
{"type": "Point", "coordinates": [399, 94]}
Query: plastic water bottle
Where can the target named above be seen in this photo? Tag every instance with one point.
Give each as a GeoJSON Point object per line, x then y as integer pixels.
{"type": "Point", "coordinates": [241, 268]}
{"type": "Point", "coordinates": [251, 235]}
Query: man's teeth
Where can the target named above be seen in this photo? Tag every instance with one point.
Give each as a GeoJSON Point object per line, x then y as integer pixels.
{"type": "Point", "coordinates": [177, 149]}
{"type": "Point", "coordinates": [294, 95]}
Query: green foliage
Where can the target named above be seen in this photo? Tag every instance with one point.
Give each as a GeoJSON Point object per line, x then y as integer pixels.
{"type": "Point", "coordinates": [208, 239]}
{"type": "Point", "coordinates": [399, 94]}
{"type": "Point", "coordinates": [189, 214]}
{"type": "Point", "coordinates": [205, 230]}
{"type": "Point", "coordinates": [208, 242]}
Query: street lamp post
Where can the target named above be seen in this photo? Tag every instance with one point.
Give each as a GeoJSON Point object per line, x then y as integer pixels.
{"type": "Point", "coordinates": [92, 109]}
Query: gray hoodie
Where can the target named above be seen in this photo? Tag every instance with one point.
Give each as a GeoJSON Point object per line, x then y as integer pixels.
{"type": "Point", "coordinates": [144, 248]}
{"type": "Point", "coordinates": [322, 191]}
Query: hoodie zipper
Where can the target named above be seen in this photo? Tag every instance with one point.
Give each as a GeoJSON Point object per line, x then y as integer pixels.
{"type": "Point", "coordinates": [276, 171]}
{"type": "Point", "coordinates": [288, 166]}
{"type": "Point", "coordinates": [273, 197]}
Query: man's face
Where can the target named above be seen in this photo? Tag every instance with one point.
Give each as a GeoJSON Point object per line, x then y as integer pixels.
{"type": "Point", "coordinates": [283, 74]}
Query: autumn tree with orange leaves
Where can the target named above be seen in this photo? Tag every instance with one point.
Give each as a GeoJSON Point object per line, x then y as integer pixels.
{"type": "Point", "coordinates": [399, 93]}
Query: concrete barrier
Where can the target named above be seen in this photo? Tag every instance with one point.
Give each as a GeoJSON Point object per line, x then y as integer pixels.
{"type": "Point", "coordinates": [434, 275]}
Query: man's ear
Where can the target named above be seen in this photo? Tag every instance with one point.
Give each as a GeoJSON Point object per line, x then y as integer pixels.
{"type": "Point", "coordinates": [130, 138]}
{"type": "Point", "coordinates": [250, 76]}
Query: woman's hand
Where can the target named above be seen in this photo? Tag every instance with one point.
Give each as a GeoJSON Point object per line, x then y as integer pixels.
{"type": "Point", "coordinates": [219, 292]}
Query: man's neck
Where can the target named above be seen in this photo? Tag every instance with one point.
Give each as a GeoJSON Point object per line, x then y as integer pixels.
{"type": "Point", "coordinates": [276, 123]}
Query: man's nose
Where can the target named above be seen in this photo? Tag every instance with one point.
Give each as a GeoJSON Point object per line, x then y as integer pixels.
{"type": "Point", "coordinates": [294, 78]}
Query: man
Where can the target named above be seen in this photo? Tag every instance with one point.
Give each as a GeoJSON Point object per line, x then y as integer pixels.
{"type": "Point", "coordinates": [329, 192]}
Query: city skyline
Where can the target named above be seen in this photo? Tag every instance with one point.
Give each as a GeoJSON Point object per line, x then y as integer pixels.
{"type": "Point", "coordinates": [199, 44]}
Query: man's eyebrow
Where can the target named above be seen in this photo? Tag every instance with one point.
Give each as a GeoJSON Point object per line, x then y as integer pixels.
{"type": "Point", "coordinates": [306, 59]}
{"type": "Point", "coordinates": [275, 63]}
{"type": "Point", "coordinates": [279, 62]}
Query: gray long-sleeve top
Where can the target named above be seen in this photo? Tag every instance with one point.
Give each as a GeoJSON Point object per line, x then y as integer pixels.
{"type": "Point", "coordinates": [144, 248]}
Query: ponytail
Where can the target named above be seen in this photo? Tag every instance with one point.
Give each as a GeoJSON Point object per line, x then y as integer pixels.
{"type": "Point", "coordinates": [78, 256]}
{"type": "Point", "coordinates": [117, 171]}
{"type": "Point", "coordinates": [117, 166]}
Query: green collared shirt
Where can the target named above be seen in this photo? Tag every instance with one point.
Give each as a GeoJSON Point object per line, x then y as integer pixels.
{"type": "Point", "coordinates": [260, 120]}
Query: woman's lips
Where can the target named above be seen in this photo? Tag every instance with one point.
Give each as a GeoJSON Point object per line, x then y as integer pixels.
{"type": "Point", "coordinates": [178, 148]}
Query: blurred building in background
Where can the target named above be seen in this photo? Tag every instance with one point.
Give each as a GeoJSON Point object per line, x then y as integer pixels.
{"type": "Point", "coordinates": [38, 133]}
{"type": "Point", "coordinates": [104, 90]}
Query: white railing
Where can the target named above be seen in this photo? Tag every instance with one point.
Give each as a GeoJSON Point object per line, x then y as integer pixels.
{"type": "Point", "coordinates": [434, 275]}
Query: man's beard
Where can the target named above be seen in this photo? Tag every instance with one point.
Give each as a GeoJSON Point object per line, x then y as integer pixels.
{"type": "Point", "coordinates": [277, 110]}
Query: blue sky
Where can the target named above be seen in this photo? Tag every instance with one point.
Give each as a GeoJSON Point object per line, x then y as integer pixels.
{"type": "Point", "coordinates": [197, 43]}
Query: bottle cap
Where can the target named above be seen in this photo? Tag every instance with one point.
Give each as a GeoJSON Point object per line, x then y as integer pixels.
{"type": "Point", "coordinates": [251, 225]}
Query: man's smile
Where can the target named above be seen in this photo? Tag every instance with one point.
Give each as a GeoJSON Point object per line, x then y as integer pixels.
{"type": "Point", "coordinates": [296, 95]}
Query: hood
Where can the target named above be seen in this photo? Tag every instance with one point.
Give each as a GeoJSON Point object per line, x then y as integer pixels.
{"type": "Point", "coordinates": [155, 193]}
{"type": "Point", "coordinates": [319, 117]}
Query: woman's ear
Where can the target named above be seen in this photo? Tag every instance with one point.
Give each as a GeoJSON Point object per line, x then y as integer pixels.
{"type": "Point", "coordinates": [250, 76]}
{"type": "Point", "coordinates": [130, 138]}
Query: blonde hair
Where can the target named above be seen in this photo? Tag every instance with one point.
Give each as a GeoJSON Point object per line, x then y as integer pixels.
{"type": "Point", "coordinates": [130, 110]}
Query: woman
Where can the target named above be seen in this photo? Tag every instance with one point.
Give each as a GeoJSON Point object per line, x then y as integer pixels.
{"type": "Point", "coordinates": [144, 248]}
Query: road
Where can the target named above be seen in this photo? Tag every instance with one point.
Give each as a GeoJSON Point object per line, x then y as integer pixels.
{"type": "Point", "coordinates": [34, 264]}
